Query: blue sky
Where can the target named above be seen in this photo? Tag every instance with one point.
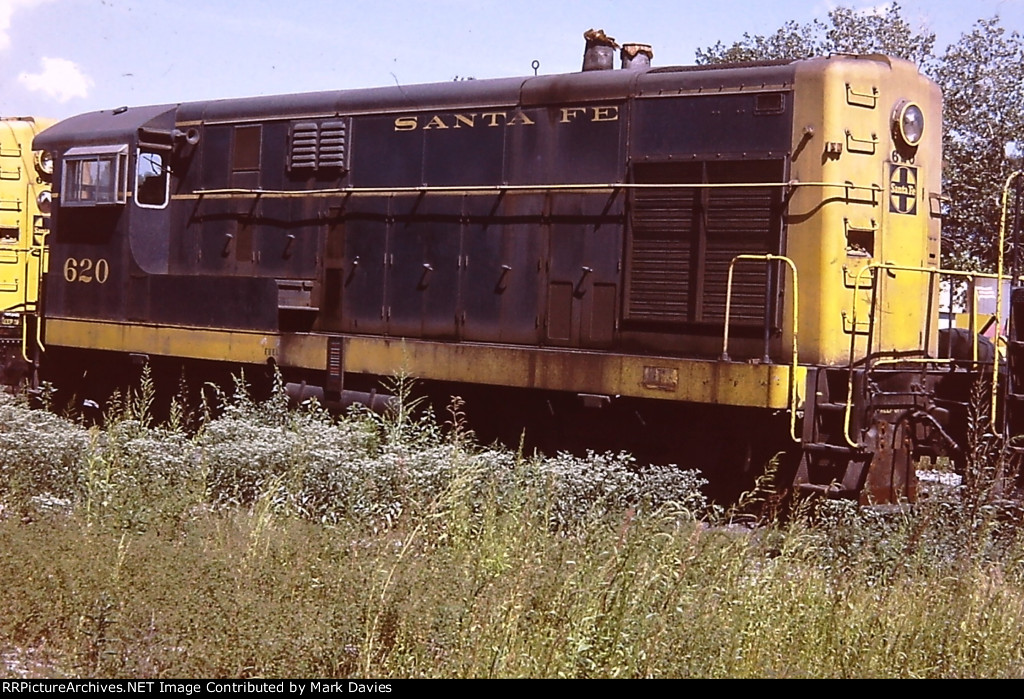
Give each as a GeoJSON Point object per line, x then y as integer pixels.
{"type": "Point", "coordinates": [63, 57]}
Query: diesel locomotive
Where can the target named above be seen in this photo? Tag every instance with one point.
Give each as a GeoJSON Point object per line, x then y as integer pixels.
{"type": "Point", "coordinates": [736, 258]}
{"type": "Point", "coordinates": [25, 203]}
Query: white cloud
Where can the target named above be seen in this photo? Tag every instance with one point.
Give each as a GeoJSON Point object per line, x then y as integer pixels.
{"type": "Point", "coordinates": [7, 8]}
{"type": "Point", "coordinates": [59, 78]}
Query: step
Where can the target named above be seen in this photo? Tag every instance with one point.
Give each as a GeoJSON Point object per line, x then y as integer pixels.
{"type": "Point", "coordinates": [831, 449]}
{"type": "Point", "coordinates": [831, 407]}
{"type": "Point", "coordinates": [831, 490]}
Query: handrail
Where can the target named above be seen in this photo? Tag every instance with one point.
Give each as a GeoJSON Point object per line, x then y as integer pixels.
{"type": "Point", "coordinates": [423, 189]}
{"type": "Point", "coordinates": [43, 252]}
{"type": "Point", "coordinates": [933, 272]}
{"type": "Point", "coordinates": [999, 285]}
{"type": "Point", "coordinates": [796, 324]}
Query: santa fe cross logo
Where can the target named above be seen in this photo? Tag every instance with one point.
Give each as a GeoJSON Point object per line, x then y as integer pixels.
{"type": "Point", "coordinates": [902, 189]}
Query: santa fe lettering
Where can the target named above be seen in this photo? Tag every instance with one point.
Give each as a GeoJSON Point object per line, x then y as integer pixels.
{"type": "Point", "coordinates": [472, 120]}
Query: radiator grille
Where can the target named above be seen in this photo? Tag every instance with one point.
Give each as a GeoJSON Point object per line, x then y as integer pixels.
{"type": "Point", "coordinates": [661, 256]}
{"type": "Point", "coordinates": [681, 242]}
{"type": "Point", "coordinates": [738, 223]}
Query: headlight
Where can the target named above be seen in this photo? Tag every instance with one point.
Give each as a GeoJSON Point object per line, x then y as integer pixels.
{"type": "Point", "coordinates": [44, 200]}
{"type": "Point", "coordinates": [908, 123]}
{"type": "Point", "coordinates": [44, 162]}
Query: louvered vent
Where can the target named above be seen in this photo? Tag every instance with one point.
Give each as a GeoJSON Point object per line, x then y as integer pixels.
{"type": "Point", "coordinates": [738, 222]}
{"type": "Point", "coordinates": [318, 146]}
{"type": "Point", "coordinates": [332, 144]}
{"type": "Point", "coordinates": [304, 144]}
{"type": "Point", "coordinates": [660, 252]}
{"type": "Point", "coordinates": [681, 242]}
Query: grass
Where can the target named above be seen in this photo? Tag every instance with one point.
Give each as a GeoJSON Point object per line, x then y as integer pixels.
{"type": "Point", "coordinates": [267, 542]}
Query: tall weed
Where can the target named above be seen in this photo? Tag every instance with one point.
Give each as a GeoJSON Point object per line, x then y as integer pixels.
{"type": "Point", "coordinates": [263, 541]}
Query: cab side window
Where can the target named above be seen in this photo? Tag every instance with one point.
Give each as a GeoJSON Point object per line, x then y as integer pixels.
{"type": "Point", "coordinates": [152, 180]}
{"type": "Point", "coordinates": [95, 176]}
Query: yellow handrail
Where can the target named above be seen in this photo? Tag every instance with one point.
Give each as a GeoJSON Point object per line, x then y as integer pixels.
{"type": "Point", "coordinates": [999, 285]}
{"type": "Point", "coordinates": [42, 253]}
{"type": "Point", "coordinates": [595, 186]}
{"type": "Point", "coordinates": [933, 272]}
{"type": "Point", "coordinates": [796, 324]}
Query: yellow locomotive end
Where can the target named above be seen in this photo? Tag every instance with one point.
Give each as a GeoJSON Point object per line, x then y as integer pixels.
{"type": "Point", "coordinates": [25, 197]}
{"type": "Point", "coordinates": [867, 160]}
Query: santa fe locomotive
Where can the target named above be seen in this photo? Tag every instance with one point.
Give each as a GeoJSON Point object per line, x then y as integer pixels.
{"type": "Point", "coordinates": [24, 209]}
{"type": "Point", "coordinates": [740, 256]}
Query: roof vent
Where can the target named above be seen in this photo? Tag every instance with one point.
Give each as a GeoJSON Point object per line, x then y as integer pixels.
{"type": "Point", "coordinates": [636, 56]}
{"type": "Point", "coordinates": [600, 51]}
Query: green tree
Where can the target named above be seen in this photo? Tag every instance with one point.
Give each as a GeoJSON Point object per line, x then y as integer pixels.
{"type": "Point", "coordinates": [982, 78]}
{"type": "Point", "coordinates": [887, 32]}
{"type": "Point", "coordinates": [846, 31]}
{"type": "Point", "coordinates": [789, 42]}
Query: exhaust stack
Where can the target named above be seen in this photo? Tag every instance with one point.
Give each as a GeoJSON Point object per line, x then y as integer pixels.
{"type": "Point", "coordinates": [636, 56]}
{"type": "Point", "coordinates": [600, 51]}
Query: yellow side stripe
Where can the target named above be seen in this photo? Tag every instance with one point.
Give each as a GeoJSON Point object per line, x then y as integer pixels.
{"type": "Point", "coordinates": [606, 373]}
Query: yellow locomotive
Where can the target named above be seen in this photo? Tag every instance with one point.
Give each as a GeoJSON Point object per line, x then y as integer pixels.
{"type": "Point", "coordinates": [25, 202]}
{"type": "Point", "coordinates": [738, 257]}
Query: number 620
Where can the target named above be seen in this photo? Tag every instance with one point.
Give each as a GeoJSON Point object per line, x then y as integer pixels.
{"type": "Point", "coordinates": [86, 270]}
